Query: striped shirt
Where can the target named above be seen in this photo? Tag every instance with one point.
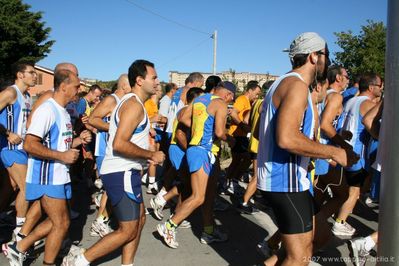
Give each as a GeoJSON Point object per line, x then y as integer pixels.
{"type": "Point", "coordinates": [14, 116]}
{"type": "Point", "coordinates": [352, 121]}
{"type": "Point", "coordinates": [52, 123]}
{"type": "Point", "coordinates": [102, 136]}
{"type": "Point", "coordinates": [279, 170]}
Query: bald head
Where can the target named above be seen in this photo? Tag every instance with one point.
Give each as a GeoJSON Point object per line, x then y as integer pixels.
{"type": "Point", "coordinates": [123, 84]}
{"type": "Point", "coordinates": [67, 66]}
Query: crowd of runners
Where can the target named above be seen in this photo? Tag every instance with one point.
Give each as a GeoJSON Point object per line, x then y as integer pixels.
{"type": "Point", "coordinates": [310, 140]}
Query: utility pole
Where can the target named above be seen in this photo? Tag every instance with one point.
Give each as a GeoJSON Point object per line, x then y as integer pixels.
{"type": "Point", "coordinates": [388, 235]}
{"type": "Point", "coordinates": [215, 38]}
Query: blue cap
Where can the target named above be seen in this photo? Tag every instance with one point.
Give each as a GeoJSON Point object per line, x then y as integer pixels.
{"type": "Point", "coordinates": [228, 86]}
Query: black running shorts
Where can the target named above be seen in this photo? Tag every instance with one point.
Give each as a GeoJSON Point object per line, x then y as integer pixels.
{"type": "Point", "coordinates": [357, 178]}
{"type": "Point", "coordinates": [293, 211]}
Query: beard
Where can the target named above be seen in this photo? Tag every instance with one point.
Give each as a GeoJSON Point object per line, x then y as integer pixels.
{"type": "Point", "coordinates": [321, 71]}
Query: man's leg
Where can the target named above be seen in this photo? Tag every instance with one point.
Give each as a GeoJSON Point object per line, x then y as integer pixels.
{"type": "Point", "coordinates": [129, 249]}
{"type": "Point", "coordinates": [129, 215]}
{"type": "Point", "coordinates": [55, 227]}
{"type": "Point", "coordinates": [207, 207]}
{"type": "Point", "coordinates": [199, 182]}
{"type": "Point", "coordinates": [18, 174]}
{"type": "Point", "coordinates": [32, 218]}
{"type": "Point", "coordinates": [298, 248]}
{"type": "Point", "coordinates": [58, 213]}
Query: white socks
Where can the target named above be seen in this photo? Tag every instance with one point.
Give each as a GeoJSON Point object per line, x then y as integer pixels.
{"type": "Point", "coordinates": [369, 243]}
{"type": "Point", "coordinates": [151, 179]}
{"type": "Point", "coordinates": [81, 261]}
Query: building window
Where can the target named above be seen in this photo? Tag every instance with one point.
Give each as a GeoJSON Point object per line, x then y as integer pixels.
{"type": "Point", "coordinates": [39, 79]}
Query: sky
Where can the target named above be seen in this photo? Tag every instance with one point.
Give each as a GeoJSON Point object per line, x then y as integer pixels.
{"type": "Point", "coordinates": [103, 37]}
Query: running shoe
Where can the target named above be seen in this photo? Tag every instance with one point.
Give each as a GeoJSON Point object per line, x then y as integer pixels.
{"type": "Point", "coordinates": [216, 236]}
{"type": "Point", "coordinates": [157, 207]}
{"type": "Point", "coordinates": [15, 257]}
{"type": "Point", "coordinates": [100, 229]}
{"type": "Point", "coordinates": [185, 224]}
{"type": "Point", "coordinates": [70, 259]}
{"type": "Point", "coordinates": [169, 236]}
{"type": "Point", "coordinates": [343, 229]}
{"type": "Point", "coordinates": [358, 251]}
{"type": "Point", "coordinates": [247, 208]}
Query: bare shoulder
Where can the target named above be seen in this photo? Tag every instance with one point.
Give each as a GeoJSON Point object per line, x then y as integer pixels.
{"type": "Point", "coordinates": [133, 106]}
{"type": "Point", "coordinates": [335, 97]}
{"type": "Point", "coordinates": [292, 86]}
{"type": "Point", "coordinates": [9, 92]}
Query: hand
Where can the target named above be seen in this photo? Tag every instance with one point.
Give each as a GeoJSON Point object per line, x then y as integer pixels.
{"type": "Point", "coordinates": [85, 119]}
{"type": "Point", "coordinates": [157, 157]}
{"type": "Point", "coordinates": [346, 134]}
{"type": "Point", "coordinates": [346, 157]}
{"type": "Point", "coordinates": [14, 139]}
{"type": "Point", "coordinates": [70, 156]}
{"type": "Point", "coordinates": [85, 136]}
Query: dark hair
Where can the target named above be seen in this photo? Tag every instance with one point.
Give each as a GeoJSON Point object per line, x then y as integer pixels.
{"type": "Point", "coordinates": [114, 87]}
{"type": "Point", "coordinates": [299, 60]}
{"type": "Point", "coordinates": [252, 85]}
{"type": "Point", "coordinates": [266, 86]}
{"type": "Point", "coordinates": [138, 69]}
{"type": "Point", "coordinates": [211, 82]}
{"type": "Point", "coordinates": [366, 80]}
{"type": "Point", "coordinates": [61, 76]}
{"type": "Point", "coordinates": [193, 77]}
{"type": "Point", "coordinates": [95, 87]}
{"type": "Point", "coordinates": [20, 66]}
{"type": "Point", "coordinates": [192, 93]}
{"type": "Point", "coordinates": [332, 73]}
{"type": "Point", "coordinates": [169, 86]}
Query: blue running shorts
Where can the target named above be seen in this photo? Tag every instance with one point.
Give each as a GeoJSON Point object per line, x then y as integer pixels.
{"type": "Point", "coordinates": [9, 157]}
{"type": "Point", "coordinates": [36, 191]}
{"type": "Point", "coordinates": [198, 157]}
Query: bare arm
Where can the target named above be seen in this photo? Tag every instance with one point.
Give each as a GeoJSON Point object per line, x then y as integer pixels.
{"type": "Point", "coordinates": [181, 136]}
{"type": "Point", "coordinates": [103, 109]}
{"type": "Point", "coordinates": [182, 128]}
{"type": "Point", "coordinates": [290, 113]}
{"type": "Point", "coordinates": [8, 96]}
{"type": "Point", "coordinates": [130, 114]}
{"type": "Point", "coordinates": [330, 112]}
{"type": "Point", "coordinates": [221, 111]}
{"type": "Point", "coordinates": [34, 147]}
{"type": "Point", "coordinates": [371, 120]}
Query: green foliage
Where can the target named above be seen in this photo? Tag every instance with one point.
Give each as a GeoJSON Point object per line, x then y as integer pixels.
{"type": "Point", "coordinates": [106, 84]}
{"type": "Point", "coordinates": [364, 52]}
{"type": "Point", "coordinates": [22, 36]}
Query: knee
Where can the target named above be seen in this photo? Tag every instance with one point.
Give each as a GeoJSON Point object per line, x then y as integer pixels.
{"type": "Point", "coordinates": [198, 200]}
{"type": "Point", "coordinates": [62, 225]}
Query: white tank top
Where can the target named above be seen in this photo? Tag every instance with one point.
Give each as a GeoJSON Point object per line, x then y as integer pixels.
{"type": "Point", "coordinates": [115, 163]}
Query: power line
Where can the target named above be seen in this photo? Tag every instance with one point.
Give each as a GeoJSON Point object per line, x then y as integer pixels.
{"type": "Point", "coordinates": [169, 20]}
{"type": "Point", "coordinates": [184, 53]}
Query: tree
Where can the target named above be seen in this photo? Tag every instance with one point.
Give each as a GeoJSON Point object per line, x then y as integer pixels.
{"type": "Point", "coordinates": [364, 52]}
{"type": "Point", "coordinates": [22, 36]}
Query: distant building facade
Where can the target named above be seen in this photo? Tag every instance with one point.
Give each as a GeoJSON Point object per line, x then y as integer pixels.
{"type": "Point", "coordinates": [239, 78]}
{"type": "Point", "coordinates": [45, 81]}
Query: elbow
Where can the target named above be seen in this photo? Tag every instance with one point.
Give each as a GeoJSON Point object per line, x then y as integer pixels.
{"type": "Point", "coordinates": [219, 134]}
{"type": "Point", "coordinates": [117, 146]}
{"type": "Point", "coordinates": [284, 142]}
{"type": "Point", "coordinates": [27, 146]}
